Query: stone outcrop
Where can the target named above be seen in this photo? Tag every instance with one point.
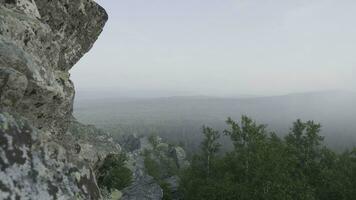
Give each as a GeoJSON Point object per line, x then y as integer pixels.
{"type": "Point", "coordinates": [33, 166]}
{"type": "Point", "coordinates": [44, 152]}
{"type": "Point", "coordinates": [167, 158]}
{"type": "Point", "coordinates": [40, 40]}
{"type": "Point", "coordinates": [144, 187]}
{"type": "Point", "coordinates": [89, 143]}
{"type": "Point", "coordinates": [179, 155]}
{"type": "Point", "coordinates": [77, 24]}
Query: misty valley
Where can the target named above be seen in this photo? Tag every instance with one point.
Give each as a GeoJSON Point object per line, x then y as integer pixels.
{"type": "Point", "coordinates": [297, 146]}
{"type": "Point", "coordinates": [177, 100]}
{"type": "Point", "coordinates": [180, 119]}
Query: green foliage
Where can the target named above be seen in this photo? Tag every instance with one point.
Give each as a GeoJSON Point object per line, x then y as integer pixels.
{"type": "Point", "coordinates": [152, 167]}
{"type": "Point", "coordinates": [167, 193]}
{"type": "Point", "coordinates": [154, 140]}
{"type": "Point", "coordinates": [160, 169]}
{"type": "Point", "coordinates": [113, 174]}
{"type": "Point", "coordinates": [210, 146]}
{"type": "Point", "coordinates": [160, 166]}
{"type": "Point", "coordinates": [264, 166]}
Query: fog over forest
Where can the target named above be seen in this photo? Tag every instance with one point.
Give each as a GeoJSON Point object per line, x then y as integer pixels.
{"type": "Point", "coordinates": [178, 100]}
{"type": "Point", "coordinates": [180, 119]}
{"type": "Point", "coordinates": [178, 71]}
{"type": "Point", "coordinates": [170, 67]}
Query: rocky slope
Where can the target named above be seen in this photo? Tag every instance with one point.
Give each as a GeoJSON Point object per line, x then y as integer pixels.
{"type": "Point", "coordinates": [155, 165]}
{"type": "Point", "coordinates": [44, 152]}
{"type": "Point", "coordinates": [40, 40]}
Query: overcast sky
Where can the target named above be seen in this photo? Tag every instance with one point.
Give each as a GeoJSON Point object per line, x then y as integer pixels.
{"type": "Point", "coordinates": [223, 47]}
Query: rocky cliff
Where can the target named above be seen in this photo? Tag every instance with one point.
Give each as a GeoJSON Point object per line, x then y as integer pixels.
{"type": "Point", "coordinates": [44, 152]}
{"type": "Point", "coordinates": [40, 40]}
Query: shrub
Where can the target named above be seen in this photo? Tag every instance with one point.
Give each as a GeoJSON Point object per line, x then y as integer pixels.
{"type": "Point", "coordinates": [113, 174]}
{"type": "Point", "coordinates": [152, 167]}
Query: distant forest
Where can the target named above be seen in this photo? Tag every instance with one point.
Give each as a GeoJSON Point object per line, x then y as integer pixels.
{"type": "Point", "coordinates": [179, 119]}
{"type": "Point", "coordinates": [271, 155]}
{"type": "Point", "coordinates": [262, 165]}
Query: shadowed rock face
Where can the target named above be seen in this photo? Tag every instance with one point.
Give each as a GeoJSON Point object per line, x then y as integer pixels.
{"type": "Point", "coordinates": [40, 40]}
{"type": "Point", "coordinates": [35, 167]}
{"type": "Point", "coordinates": [27, 6]}
{"type": "Point", "coordinates": [77, 25]}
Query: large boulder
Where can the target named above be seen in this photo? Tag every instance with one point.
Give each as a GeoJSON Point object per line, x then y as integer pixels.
{"type": "Point", "coordinates": [143, 187]}
{"type": "Point", "coordinates": [179, 155]}
{"type": "Point", "coordinates": [130, 142]}
{"type": "Point", "coordinates": [35, 167]}
{"type": "Point", "coordinates": [27, 6]}
{"type": "Point", "coordinates": [88, 143]}
{"type": "Point", "coordinates": [168, 161]}
{"type": "Point", "coordinates": [40, 40]}
{"type": "Point", "coordinates": [76, 23]}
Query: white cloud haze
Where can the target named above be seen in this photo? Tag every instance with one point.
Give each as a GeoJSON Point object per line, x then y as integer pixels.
{"type": "Point", "coordinates": [230, 47]}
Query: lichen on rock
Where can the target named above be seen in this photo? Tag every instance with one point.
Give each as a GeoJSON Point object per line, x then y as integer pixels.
{"type": "Point", "coordinates": [40, 41]}
{"type": "Point", "coordinates": [34, 168]}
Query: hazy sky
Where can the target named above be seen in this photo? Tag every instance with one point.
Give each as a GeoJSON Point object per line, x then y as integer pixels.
{"type": "Point", "coordinates": [223, 47]}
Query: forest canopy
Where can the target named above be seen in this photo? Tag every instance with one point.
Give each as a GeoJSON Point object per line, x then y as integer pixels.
{"type": "Point", "coordinates": [263, 165]}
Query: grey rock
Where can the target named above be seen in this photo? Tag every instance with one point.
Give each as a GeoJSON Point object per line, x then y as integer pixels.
{"type": "Point", "coordinates": [130, 142]}
{"type": "Point", "coordinates": [77, 25]}
{"type": "Point", "coordinates": [27, 6]}
{"type": "Point", "coordinates": [13, 86]}
{"type": "Point", "coordinates": [88, 143]}
{"type": "Point", "coordinates": [40, 41]}
{"type": "Point", "coordinates": [178, 153]}
{"type": "Point", "coordinates": [166, 156]}
{"type": "Point", "coordinates": [144, 187]}
{"type": "Point", "coordinates": [32, 167]}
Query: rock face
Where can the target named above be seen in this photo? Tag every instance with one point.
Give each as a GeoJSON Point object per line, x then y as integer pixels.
{"type": "Point", "coordinates": [179, 155]}
{"type": "Point", "coordinates": [40, 40]}
{"type": "Point", "coordinates": [144, 187]}
{"type": "Point", "coordinates": [89, 143]}
{"type": "Point", "coordinates": [77, 24]}
{"type": "Point", "coordinates": [168, 159]}
{"type": "Point", "coordinates": [33, 167]}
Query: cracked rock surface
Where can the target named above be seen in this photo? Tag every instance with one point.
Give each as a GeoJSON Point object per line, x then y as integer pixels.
{"type": "Point", "coordinates": [40, 41]}
{"type": "Point", "coordinates": [34, 167]}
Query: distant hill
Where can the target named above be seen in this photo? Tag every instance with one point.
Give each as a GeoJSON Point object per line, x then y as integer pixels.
{"type": "Point", "coordinates": [180, 118]}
